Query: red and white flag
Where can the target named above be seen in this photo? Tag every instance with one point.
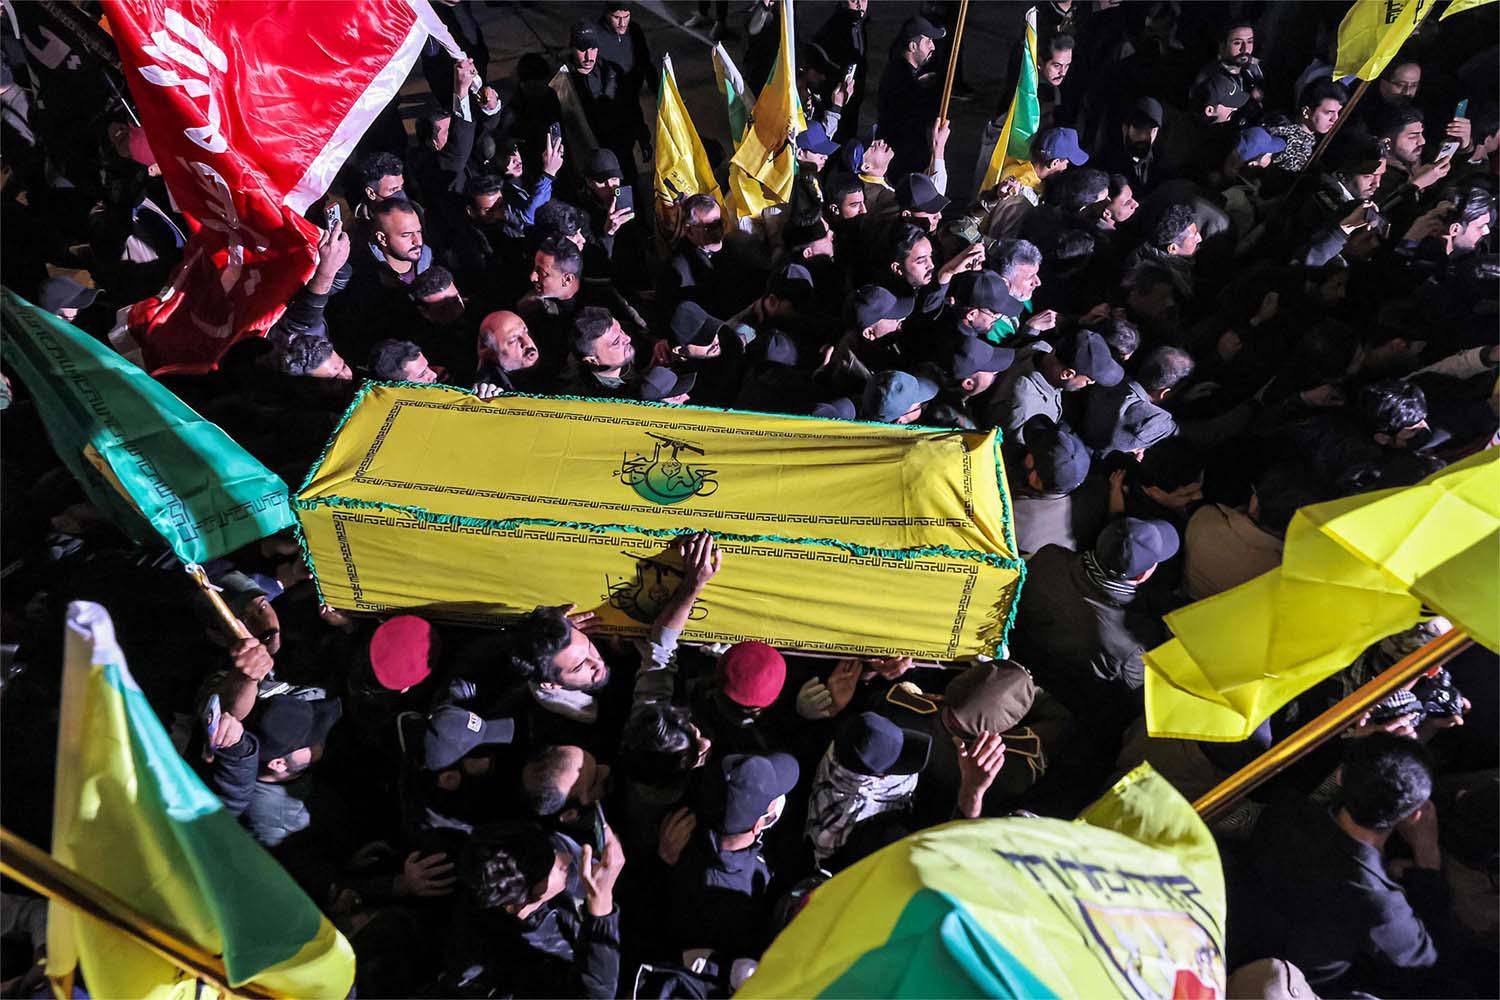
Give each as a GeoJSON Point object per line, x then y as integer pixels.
{"type": "Point", "coordinates": [252, 107]}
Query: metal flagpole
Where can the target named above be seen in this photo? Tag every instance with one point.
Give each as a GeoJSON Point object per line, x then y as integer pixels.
{"type": "Point", "coordinates": [1332, 722]}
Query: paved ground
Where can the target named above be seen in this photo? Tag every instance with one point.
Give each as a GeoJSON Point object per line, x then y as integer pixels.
{"type": "Point", "coordinates": [993, 29]}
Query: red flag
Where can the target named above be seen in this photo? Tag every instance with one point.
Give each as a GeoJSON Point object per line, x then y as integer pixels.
{"type": "Point", "coordinates": [251, 107]}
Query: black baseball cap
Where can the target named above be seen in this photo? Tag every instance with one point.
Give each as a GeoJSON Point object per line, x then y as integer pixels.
{"type": "Point", "coordinates": [1085, 352]}
{"type": "Point", "coordinates": [983, 289]}
{"type": "Point", "coordinates": [452, 734]}
{"type": "Point", "coordinates": [916, 193]}
{"type": "Point", "coordinates": [601, 165]}
{"type": "Point", "coordinates": [841, 408]}
{"type": "Point", "coordinates": [585, 35]}
{"type": "Point", "coordinates": [872, 303]}
{"type": "Point", "coordinates": [1354, 152]}
{"type": "Point", "coordinates": [915, 26]}
{"type": "Point", "coordinates": [776, 348]}
{"type": "Point", "coordinates": [792, 282]}
{"type": "Point", "coordinates": [872, 744]}
{"type": "Point", "coordinates": [64, 293]}
{"type": "Point", "coordinates": [1221, 89]}
{"type": "Point", "coordinates": [1145, 112]}
{"type": "Point", "coordinates": [1129, 546]}
{"type": "Point", "coordinates": [968, 356]}
{"type": "Point", "coordinates": [1060, 456]}
{"type": "Point", "coordinates": [284, 723]}
{"type": "Point", "coordinates": [692, 326]}
{"type": "Point", "coordinates": [662, 382]}
{"type": "Point", "coordinates": [746, 785]}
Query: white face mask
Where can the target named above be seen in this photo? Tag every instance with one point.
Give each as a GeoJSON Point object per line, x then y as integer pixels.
{"type": "Point", "coordinates": [492, 112]}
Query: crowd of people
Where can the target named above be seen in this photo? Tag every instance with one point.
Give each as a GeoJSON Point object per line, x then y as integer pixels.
{"type": "Point", "coordinates": [1188, 313]}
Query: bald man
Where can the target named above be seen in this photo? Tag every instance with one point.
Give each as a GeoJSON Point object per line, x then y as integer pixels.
{"type": "Point", "coordinates": [505, 347]}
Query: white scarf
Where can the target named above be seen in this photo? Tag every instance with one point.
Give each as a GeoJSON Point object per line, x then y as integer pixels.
{"type": "Point", "coordinates": [842, 799]}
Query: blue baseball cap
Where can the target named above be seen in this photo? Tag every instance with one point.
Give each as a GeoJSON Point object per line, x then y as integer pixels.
{"type": "Point", "coordinates": [814, 139]}
{"type": "Point", "coordinates": [1129, 546]}
{"type": "Point", "coordinates": [1059, 144]}
{"type": "Point", "coordinates": [892, 394]}
{"type": "Point", "coordinates": [1255, 142]}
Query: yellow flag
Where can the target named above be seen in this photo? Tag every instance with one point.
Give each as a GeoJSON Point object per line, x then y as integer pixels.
{"type": "Point", "coordinates": [682, 166]}
{"type": "Point", "coordinates": [130, 815]}
{"type": "Point", "coordinates": [1354, 571]}
{"type": "Point", "coordinates": [765, 164]}
{"type": "Point", "coordinates": [1373, 32]}
{"type": "Point", "coordinates": [1127, 901]}
{"type": "Point", "coordinates": [1459, 6]}
{"type": "Point", "coordinates": [839, 537]}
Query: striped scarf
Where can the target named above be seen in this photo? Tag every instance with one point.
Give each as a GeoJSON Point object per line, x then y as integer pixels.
{"type": "Point", "coordinates": [1119, 590]}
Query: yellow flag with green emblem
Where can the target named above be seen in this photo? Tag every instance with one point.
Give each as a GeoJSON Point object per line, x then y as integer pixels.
{"type": "Point", "coordinates": [765, 164]}
{"type": "Point", "coordinates": [1373, 31]}
{"type": "Point", "coordinates": [838, 536]}
{"type": "Point", "coordinates": [1353, 571]}
{"type": "Point", "coordinates": [1126, 901]}
{"type": "Point", "coordinates": [131, 816]}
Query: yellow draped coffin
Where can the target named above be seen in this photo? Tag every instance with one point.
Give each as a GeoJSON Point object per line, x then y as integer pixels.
{"type": "Point", "coordinates": [838, 537]}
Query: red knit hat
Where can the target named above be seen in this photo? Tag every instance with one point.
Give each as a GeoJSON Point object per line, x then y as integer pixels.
{"type": "Point", "coordinates": [753, 674]}
{"type": "Point", "coordinates": [401, 652]}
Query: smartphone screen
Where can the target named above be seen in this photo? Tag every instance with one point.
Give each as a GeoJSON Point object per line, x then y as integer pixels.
{"type": "Point", "coordinates": [600, 830]}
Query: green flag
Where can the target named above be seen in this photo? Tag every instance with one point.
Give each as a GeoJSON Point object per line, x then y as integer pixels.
{"type": "Point", "coordinates": [142, 455]}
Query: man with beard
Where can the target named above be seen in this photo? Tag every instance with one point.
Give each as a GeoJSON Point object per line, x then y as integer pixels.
{"type": "Point", "coordinates": [1399, 128]}
{"type": "Point", "coordinates": [912, 274]}
{"type": "Point", "coordinates": [909, 96]}
{"type": "Point", "coordinates": [703, 268]}
{"type": "Point", "coordinates": [603, 359]}
{"type": "Point", "coordinates": [1134, 153]}
{"type": "Point", "coordinates": [505, 349]}
{"type": "Point", "coordinates": [598, 84]}
{"type": "Point", "coordinates": [378, 302]}
{"type": "Point", "coordinates": [1237, 59]}
{"type": "Point", "coordinates": [699, 347]}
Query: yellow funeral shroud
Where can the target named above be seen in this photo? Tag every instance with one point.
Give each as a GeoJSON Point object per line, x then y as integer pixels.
{"type": "Point", "coordinates": [838, 536]}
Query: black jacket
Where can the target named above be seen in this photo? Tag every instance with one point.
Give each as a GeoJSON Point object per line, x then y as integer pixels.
{"type": "Point", "coordinates": [719, 898]}
{"type": "Point", "coordinates": [1081, 643]}
{"type": "Point", "coordinates": [1354, 928]}
{"type": "Point", "coordinates": [559, 951]}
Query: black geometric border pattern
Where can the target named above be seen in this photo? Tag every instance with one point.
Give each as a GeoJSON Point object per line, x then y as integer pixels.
{"type": "Point", "coordinates": [969, 571]}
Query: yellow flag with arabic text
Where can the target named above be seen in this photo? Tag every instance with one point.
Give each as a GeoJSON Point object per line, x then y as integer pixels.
{"type": "Point", "coordinates": [1373, 32]}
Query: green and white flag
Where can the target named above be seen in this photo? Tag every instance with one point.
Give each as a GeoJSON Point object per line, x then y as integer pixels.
{"type": "Point", "coordinates": [143, 456]}
{"type": "Point", "coordinates": [732, 86]}
{"type": "Point", "coordinates": [1023, 118]}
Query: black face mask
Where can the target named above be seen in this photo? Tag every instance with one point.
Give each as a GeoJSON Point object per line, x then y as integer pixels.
{"type": "Point", "coordinates": [1139, 150]}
